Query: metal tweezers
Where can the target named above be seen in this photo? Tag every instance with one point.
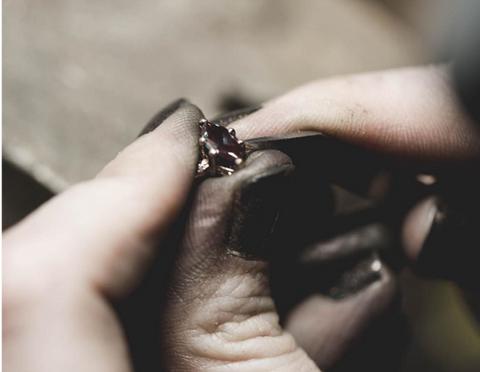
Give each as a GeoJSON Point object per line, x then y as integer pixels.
{"type": "Point", "coordinates": [338, 162]}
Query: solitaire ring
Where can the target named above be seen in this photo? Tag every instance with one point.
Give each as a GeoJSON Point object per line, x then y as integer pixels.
{"type": "Point", "coordinates": [221, 152]}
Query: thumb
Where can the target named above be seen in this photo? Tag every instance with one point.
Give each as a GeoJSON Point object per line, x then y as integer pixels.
{"type": "Point", "coordinates": [220, 314]}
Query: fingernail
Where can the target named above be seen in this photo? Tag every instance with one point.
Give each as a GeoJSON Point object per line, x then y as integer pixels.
{"type": "Point", "coordinates": [344, 264]}
{"type": "Point", "coordinates": [230, 117]}
{"type": "Point", "coordinates": [373, 237]}
{"type": "Point", "coordinates": [356, 278]}
{"type": "Point", "coordinates": [162, 115]}
{"type": "Point", "coordinates": [256, 208]}
{"type": "Point", "coordinates": [451, 247]}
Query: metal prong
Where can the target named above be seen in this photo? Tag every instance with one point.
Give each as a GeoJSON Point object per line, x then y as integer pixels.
{"type": "Point", "coordinates": [212, 157]}
{"type": "Point", "coordinates": [202, 122]}
{"type": "Point", "coordinates": [213, 152]}
{"type": "Point", "coordinates": [231, 131]}
{"type": "Point", "coordinates": [238, 161]}
{"type": "Point", "coordinates": [224, 171]}
{"type": "Point", "coordinates": [202, 167]}
{"type": "Point", "coordinates": [202, 140]}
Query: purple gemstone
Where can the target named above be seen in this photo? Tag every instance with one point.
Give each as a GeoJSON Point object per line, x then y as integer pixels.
{"type": "Point", "coordinates": [228, 147]}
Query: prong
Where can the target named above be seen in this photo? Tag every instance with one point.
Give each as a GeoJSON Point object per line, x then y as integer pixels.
{"type": "Point", "coordinates": [212, 157]}
{"type": "Point", "coordinates": [202, 122]}
{"type": "Point", "coordinates": [202, 167]}
{"type": "Point", "coordinates": [224, 171]}
{"type": "Point", "coordinates": [238, 161]}
{"type": "Point", "coordinates": [213, 152]}
{"type": "Point", "coordinates": [231, 131]}
{"type": "Point", "coordinates": [202, 140]}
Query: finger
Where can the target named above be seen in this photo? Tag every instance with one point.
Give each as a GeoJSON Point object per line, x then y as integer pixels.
{"type": "Point", "coordinates": [335, 289]}
{"type": "Point", "coordinates": [411, 114]}
{"type": "Point", "coordinates": [441, 240]}
{"type": "Point", "coordinates": [333, 292]}
{"type": "Point", "coordinates": [342, 299]}
{"type": "Point", "coordinates": [105, 230]}
{"type": "Point", "coordinates": [329, 329]}
{"type": "Point", "coordinates": [328, 283]}
{"type": "Point", "coordinates": [219, 314]}
{"type": "Point", "coordinates": [230, 117]}
{"type": "Point", "coordinates": [440, 236]}
{"type": "Point", "coordinates": [163, 115]}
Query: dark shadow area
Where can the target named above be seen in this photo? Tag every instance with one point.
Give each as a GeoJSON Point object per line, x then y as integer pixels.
{"type": "Point", "coordinates": [21, 194]}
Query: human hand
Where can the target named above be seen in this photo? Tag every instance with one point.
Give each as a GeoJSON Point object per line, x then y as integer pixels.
{"type": "Point", "coordinates": [65, 265]}
{"type": "Point", "coordinates": [81, 274]}
{"type": "Point", "coordinates": [410, 117]}
{"type": "Point", "coordinates": [425, 131]}
{"type": "Point", "coordinates": [219, 313]}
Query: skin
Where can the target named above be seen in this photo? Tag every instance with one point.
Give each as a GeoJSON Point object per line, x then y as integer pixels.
{"type": "Point", "coordinates": [67, 263]}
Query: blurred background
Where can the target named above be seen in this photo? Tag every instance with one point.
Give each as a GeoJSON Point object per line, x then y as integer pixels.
{"type": "Point", "coordinates": [81, 78]}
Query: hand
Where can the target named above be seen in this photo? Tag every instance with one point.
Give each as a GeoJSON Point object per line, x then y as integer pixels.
{"type": "Point", "coordinates": [220, 312]}
{"type": "Point", "coordinates": [66, 264]}
{"type": "Point", "coordinates": [71, 262]}
{"type": "Point", "coordinates": [409, 116]}
{"type": "Point", "coordinates": [82, 285]}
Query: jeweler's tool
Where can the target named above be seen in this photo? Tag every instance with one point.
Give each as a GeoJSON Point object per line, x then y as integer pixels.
{"type": "Point", "coordinates": [338, 162]}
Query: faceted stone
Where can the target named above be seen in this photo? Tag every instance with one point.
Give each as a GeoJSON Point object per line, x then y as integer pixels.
{"type": "Point", "coordinates": [228, 147]}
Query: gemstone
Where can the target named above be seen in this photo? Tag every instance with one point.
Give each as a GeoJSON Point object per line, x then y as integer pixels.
{"type": "Point", "coordinates": [227, 147]}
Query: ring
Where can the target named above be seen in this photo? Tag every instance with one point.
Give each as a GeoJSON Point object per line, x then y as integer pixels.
{"type": "Point", "coordinates": [221, 152]}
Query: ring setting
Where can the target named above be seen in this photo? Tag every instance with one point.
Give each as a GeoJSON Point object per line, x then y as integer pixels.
{"type": "Point", "coordinates": [221, 152]}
